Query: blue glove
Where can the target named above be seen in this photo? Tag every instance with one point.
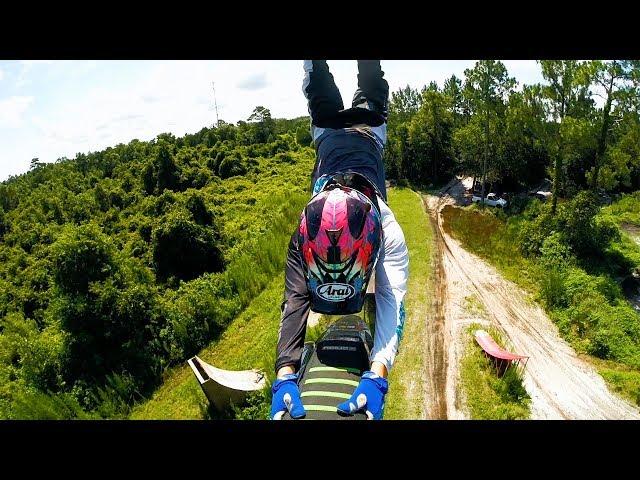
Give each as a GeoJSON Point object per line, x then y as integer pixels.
{"type": "Point", "coordinates": [369, 396]}
{"type": "Point", "coordinates": [286, 397]}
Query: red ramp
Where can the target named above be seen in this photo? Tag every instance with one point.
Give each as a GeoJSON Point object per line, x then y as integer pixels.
{"type": "Point", "coordinates": [501, 357]}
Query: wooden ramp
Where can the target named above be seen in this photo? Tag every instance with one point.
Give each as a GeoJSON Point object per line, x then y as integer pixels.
{"type": "Point", "coordinates": [223, 387]}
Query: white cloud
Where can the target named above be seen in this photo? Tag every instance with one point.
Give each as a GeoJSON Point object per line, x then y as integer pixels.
{"type": "Point", "coordinates": [12, 110]}
{"type": "Point", "coordinates": [254, 82]}
{"type": "Point", "coordinates": [1, 74]}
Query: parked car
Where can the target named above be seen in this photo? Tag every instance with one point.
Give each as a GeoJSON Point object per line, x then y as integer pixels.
{"type": "Point", "coordinates": [541, 195]}
{"type": "Point", "coordinates": [492, 200]}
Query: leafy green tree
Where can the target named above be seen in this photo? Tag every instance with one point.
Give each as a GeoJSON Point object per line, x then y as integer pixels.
{"type": "Point", "coordinates": [199, 211]}
{"type": "Point", "coordinates": [166, 167]}
{"type": "Point", "coordinates": [621, 168]}
{"type": "Point", "coordinates": [263, 127]}
{"type": "Point", "coordinates": [567, 89]}
{"type": "Point", "coordinates": [106, 305]}
{"type": "Point", "coordinates": [429, 135]}
{"type": "Point", "coordinates": [611, 77]}
{"type": "Point", "coordinates": [303, 136]}
{"type": "Point", "coordinates": [524, 157]}
{"type": "Point", "coordinates": [579, 141]}
{"type": "Point", "coordinates": [469, 144]}
{"type": "Point", "coordinates": [452, 90]}
{"type": "Point", "coordinates": [81, 256]}
{"type": "Point", "coordinates": [575, 225]}
{"type": "Point", "coordinates": [35, 164]}
{"type": "Point", "coordinates": [9, 197]}
{"type": "Point", "coordinates": [404, 104]}
{"type": "Point", "coordinates": [232, 165]}
{"type": "Point", "coordinates": [4, 225]}
{"type": "Point", "coordinates": [487, 88]}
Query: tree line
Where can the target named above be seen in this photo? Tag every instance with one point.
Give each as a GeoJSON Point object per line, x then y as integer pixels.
{"type": "Point", "coordinates": [487, 125]}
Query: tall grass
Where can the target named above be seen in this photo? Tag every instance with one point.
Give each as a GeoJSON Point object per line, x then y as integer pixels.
{"type": "Point", "coordinates": [267, 254]}
{"type": "Point", "coordinates": [201, 309]}
{"type": "Point", "coordinates": [626, 209]}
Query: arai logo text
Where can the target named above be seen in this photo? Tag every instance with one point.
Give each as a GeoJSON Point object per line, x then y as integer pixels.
{"type": "Point", "coordinates": [335, 292]}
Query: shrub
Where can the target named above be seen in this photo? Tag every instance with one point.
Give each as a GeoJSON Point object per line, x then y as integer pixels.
{"type": "Point", "coordinates": [555, 253]}
{"type": "Point", "coordinates": [285, 157]}
{"type": "Point", "coordinates": [4, 225]}
{"type": "Point", "coordinates": [517, 204]}
{"type": "Point", "coordinates": [552, 289]}
{"type": "Point", "coordinates": [303, 136]}
{"type": "Point", "coordinates": [201, 215]}
{"type": "Point", "coordinates": [231, 166]}
{"type": "Point", "coordinates": [185, 249]}
{"type": "Point", "coordinates": [80, 256]}
{"type": "Point", "coordinates": [167, 170]}
{"type": "Point", "coordinates": [582, 232]}
{"type": "Point", "coordinates": [534, 232]}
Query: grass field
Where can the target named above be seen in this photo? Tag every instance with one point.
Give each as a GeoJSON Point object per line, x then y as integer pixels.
{"type": "Point", "coordinates": [405, 399]}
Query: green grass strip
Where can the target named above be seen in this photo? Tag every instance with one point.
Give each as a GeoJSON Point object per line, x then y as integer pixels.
{"type": "Point", "coordinates": [407, 397]}
{"type": "Point", "coordinates": [332, 380]}
{"type": "Point", "coordinates": [334, 369]}
{"type": "Point", "coordinates": [318, 393]}
{"type": "Point", "coordinates": [320, 408]}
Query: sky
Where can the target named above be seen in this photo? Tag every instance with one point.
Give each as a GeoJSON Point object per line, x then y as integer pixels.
{"type": "Point", "coordinates": [52, 109]}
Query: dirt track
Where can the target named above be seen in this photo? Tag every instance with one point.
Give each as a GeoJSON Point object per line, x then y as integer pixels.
{"type": "Point", "coordinates": [561, 385]}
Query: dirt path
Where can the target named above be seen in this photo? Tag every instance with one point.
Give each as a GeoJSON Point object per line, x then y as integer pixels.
{"type": "Point", "coordinates": [561, 385]}
{"type": "Point", "coordinates": [436, 341]}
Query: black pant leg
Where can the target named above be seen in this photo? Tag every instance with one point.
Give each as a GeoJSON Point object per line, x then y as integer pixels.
{"type": "Point", "coordinates": [373, 89]}
{"type": "Point", "coordinates": [322, 94]}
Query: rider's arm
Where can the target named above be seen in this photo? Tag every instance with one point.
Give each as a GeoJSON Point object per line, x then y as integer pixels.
{"type": "Point", "coordinates": [295, 311]}
{"type": "Point", "coordinates": [392, 272]}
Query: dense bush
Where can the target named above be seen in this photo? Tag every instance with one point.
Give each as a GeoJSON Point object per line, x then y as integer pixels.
{"type": "Point", "coordinates": [117, 264]}
{"type": "Point", "coordinates": [184, 248]}
{"type": "Point", "coordinates": [4, 226]}
{"type": "Point", "coordinates": [231, 166]}
{"type": "Point", "coordinates": [575, 226]}
{"type": "Point", "coordinates": [81, 256]}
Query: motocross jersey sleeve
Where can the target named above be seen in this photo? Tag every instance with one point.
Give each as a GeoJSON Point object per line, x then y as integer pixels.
{"type": "Point", "coordinates": [294, 309]}
{"type": "Point", "coordinates": [392, 272]}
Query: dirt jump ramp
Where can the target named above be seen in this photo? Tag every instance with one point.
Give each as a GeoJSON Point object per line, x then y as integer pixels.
{"type": "Point", "coordinates": [224, 387]}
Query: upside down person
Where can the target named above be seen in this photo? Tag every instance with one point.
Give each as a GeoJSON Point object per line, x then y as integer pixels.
{"type": "Point", "coordinates": [346, 231]}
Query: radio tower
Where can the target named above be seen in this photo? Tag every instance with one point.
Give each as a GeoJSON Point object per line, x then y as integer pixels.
{"type": "Point", "coordinates": [215, 102]}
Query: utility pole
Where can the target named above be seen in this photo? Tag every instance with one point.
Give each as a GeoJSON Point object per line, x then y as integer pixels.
{"type": "Point", "coordinates": [215, 102]}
